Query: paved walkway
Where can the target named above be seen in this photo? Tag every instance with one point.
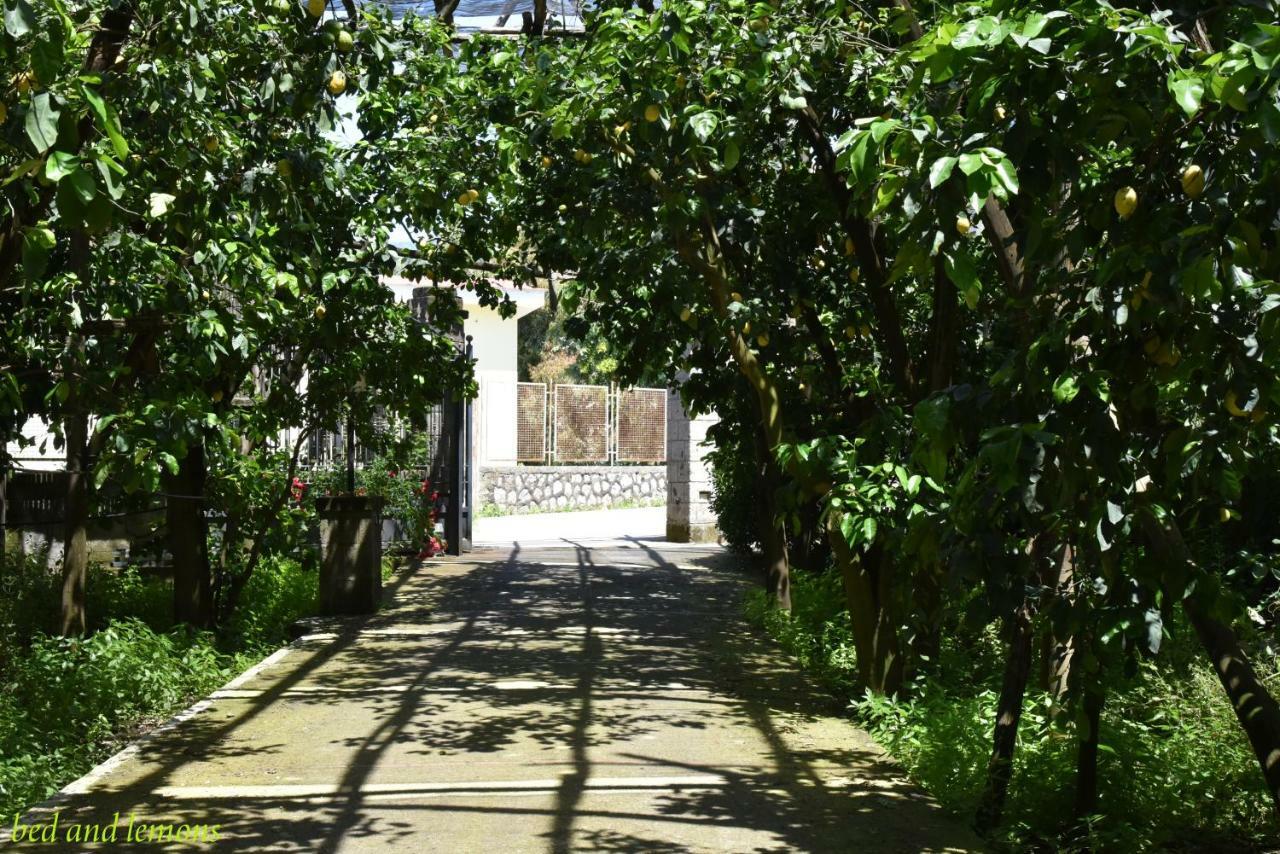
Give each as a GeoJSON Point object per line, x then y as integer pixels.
{"type": "Point", "coordinates": [646, 524]}
{"type": "Point", "coordinates": [575, 698]}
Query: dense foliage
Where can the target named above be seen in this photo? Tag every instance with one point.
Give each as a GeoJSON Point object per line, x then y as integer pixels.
{"type": "Point", "coordinates": [986, 293]}
{"type": "Point", "coordinates": [995, 283]}
{"type": "Point", "coordinates": [1187, 783]}
{"type": "Point", "coordinates": [68, 703]}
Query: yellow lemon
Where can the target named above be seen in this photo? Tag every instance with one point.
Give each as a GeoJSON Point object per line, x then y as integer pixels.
{"type": "Point", "coordinates": [850, 332]}
{"type": "Point", "coordinates": [685, 314]}
{"type": "Point", "coordinates": [652, 113]}
{"type": "Point", "coordinates": [853, 275]}
{"type": "Point", "coordinates": [216, 397]}
{"type": "Point", "coordinates": [762, 339]}
{"type": "Point", "coordinates": [345, 42]}
{"type": "Point", "coordinates": [1233, 405]}
{"type": "Point", "coordinates": [1126, 202]}
{"type": "Point", "coordinates": [1224, 514]}
{"type": "Point", "coordinates": [1000, 113]}
{"type": "Point", "coordinates": [735, 297]}
{"type": "Point", "coordinates": [284, 168]}
{"type": "Point", "coordinates": [337, 83]}
{"type": "Point", "coordinates": [963, 225]}
{"type": "Point", "coordinates": [320, 312]}
{"type": "Point", "coordinates": [546, 162]}
{"type": "Point", "coordinates": [315, 8]}
{"type": "Point", "coordinates": [848, 246]}
{"type": "Point", "coordinates": [1193, 181]}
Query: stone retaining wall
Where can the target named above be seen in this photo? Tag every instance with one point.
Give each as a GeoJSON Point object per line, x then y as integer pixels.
{"type": "Point", "coordinates": [535, 489]}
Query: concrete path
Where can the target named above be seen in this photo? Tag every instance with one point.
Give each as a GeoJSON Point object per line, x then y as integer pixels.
{"type": "Point", "coordinates": [576, 698]}
{"type": "Point", "coordinates": [647, 524]}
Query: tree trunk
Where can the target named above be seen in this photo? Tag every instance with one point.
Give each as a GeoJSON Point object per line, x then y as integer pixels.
{"type": "Point", "coordinates": [1008, 715]}
{"type": "Point", "coordinates": [75, 556]}
{"type": "Point", "coordinates": [711, 266]}
{"type": "Point", "coordinates": [1087, 757]}
{"type": "Point", "coordinates": [188, 540]}
{"type": "Point", "coordinates": [1056, 652]}
{"type": "Point", "coordinates": [867, 586]}
{"type": "Point", "coordinates": [773, 543]}
{"type": "Point", "coordinates": [1254, 706]}
{"type": "Point", "coordinates": [777, 570]}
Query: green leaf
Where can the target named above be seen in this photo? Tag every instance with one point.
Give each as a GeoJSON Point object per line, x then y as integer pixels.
{"type": "Point", "coordinates": [19, 19]}
{"type": "Point", "coordinates": [869, 530]}
{"type": "Point", "coordinates": [107, 119]}
{"type": "Point", "coordinates": [971, 162]}
{"type": "Point", "coordinates": [1008, 177]}
{"type": "Point", "coordinates": [941, 170]}
{"type": "Point", "coordinates": [82, 184]}
{"type": "Point", "coordinates": [59, 165]}
{"type": "Point", "coordinates": [160, 203]}
{"type": "Point", "coordinates": [964, 275]}
{"type": "Point", "coordinates": [1065, 389]}
{"type": "Point", "coordinates": [42, 122]}
{"type": "Point", "coordinates": [37, 243]}
{"type": "Point", "coordinates": [1188, 92]}
{"type": "Point", "coordinates": [111, 172]}
{"type": "Point", "coordinates": [704, 124]}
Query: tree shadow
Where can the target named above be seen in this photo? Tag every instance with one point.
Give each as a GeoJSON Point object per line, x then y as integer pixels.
{"type": "Point", "coordinates": [568, 700]}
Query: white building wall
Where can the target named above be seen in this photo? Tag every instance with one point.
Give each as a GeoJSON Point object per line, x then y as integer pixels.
{"type": "Point", "coordinates": [493, 340]}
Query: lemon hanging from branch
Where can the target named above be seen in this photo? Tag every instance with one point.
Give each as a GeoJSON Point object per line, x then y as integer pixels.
{"type": "Point", "coordinates": [1193, 181]}
{"type": "Point", "coordinates": [1126, 202]}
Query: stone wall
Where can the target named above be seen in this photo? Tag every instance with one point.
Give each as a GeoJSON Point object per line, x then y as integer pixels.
{"type": "Point", "coordinates": [535, 489]}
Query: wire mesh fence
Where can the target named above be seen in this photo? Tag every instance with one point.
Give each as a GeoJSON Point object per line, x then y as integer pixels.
{"type": "Point", "coordinates": [642, 425]}
{"type": "Point", "coordinates": [531, 422]}
{"type": "Point", "coordinates": [568, 423]}
{"type": "Point", "coordinates": [581, 424]}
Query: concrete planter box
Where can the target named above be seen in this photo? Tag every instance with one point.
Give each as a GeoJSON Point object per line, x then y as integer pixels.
{"type": "Point", "coordinates": [350, 554]}
{"type": "Point", "coordinates": [392, 531]}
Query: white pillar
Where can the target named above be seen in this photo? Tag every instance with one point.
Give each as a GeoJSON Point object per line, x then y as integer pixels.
{"type": "Point", "coordinates": [689, 515]}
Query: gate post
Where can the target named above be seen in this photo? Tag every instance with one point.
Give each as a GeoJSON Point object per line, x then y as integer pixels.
{"type": "Point", "coordinates": [457, 521]}
{"type": "Point", "coordinates": [689, 515]}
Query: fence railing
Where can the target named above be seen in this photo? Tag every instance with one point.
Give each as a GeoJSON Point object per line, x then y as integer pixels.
{"type": "Point", "coordinates": [570, 423]}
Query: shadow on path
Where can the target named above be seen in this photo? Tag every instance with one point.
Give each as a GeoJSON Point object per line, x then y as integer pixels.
{"type": "Point", "coordinates": [574, 698]}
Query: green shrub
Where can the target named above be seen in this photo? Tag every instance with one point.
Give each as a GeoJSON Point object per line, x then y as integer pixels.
{"type": "Point", "coordinates": [278, 593]}
{"type": "Point", "coordinates": [735, 496]}
{"type": "Point", "coordinates": [1175, 769]}
{"type": "Point", "coordinates": [68, 703]}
